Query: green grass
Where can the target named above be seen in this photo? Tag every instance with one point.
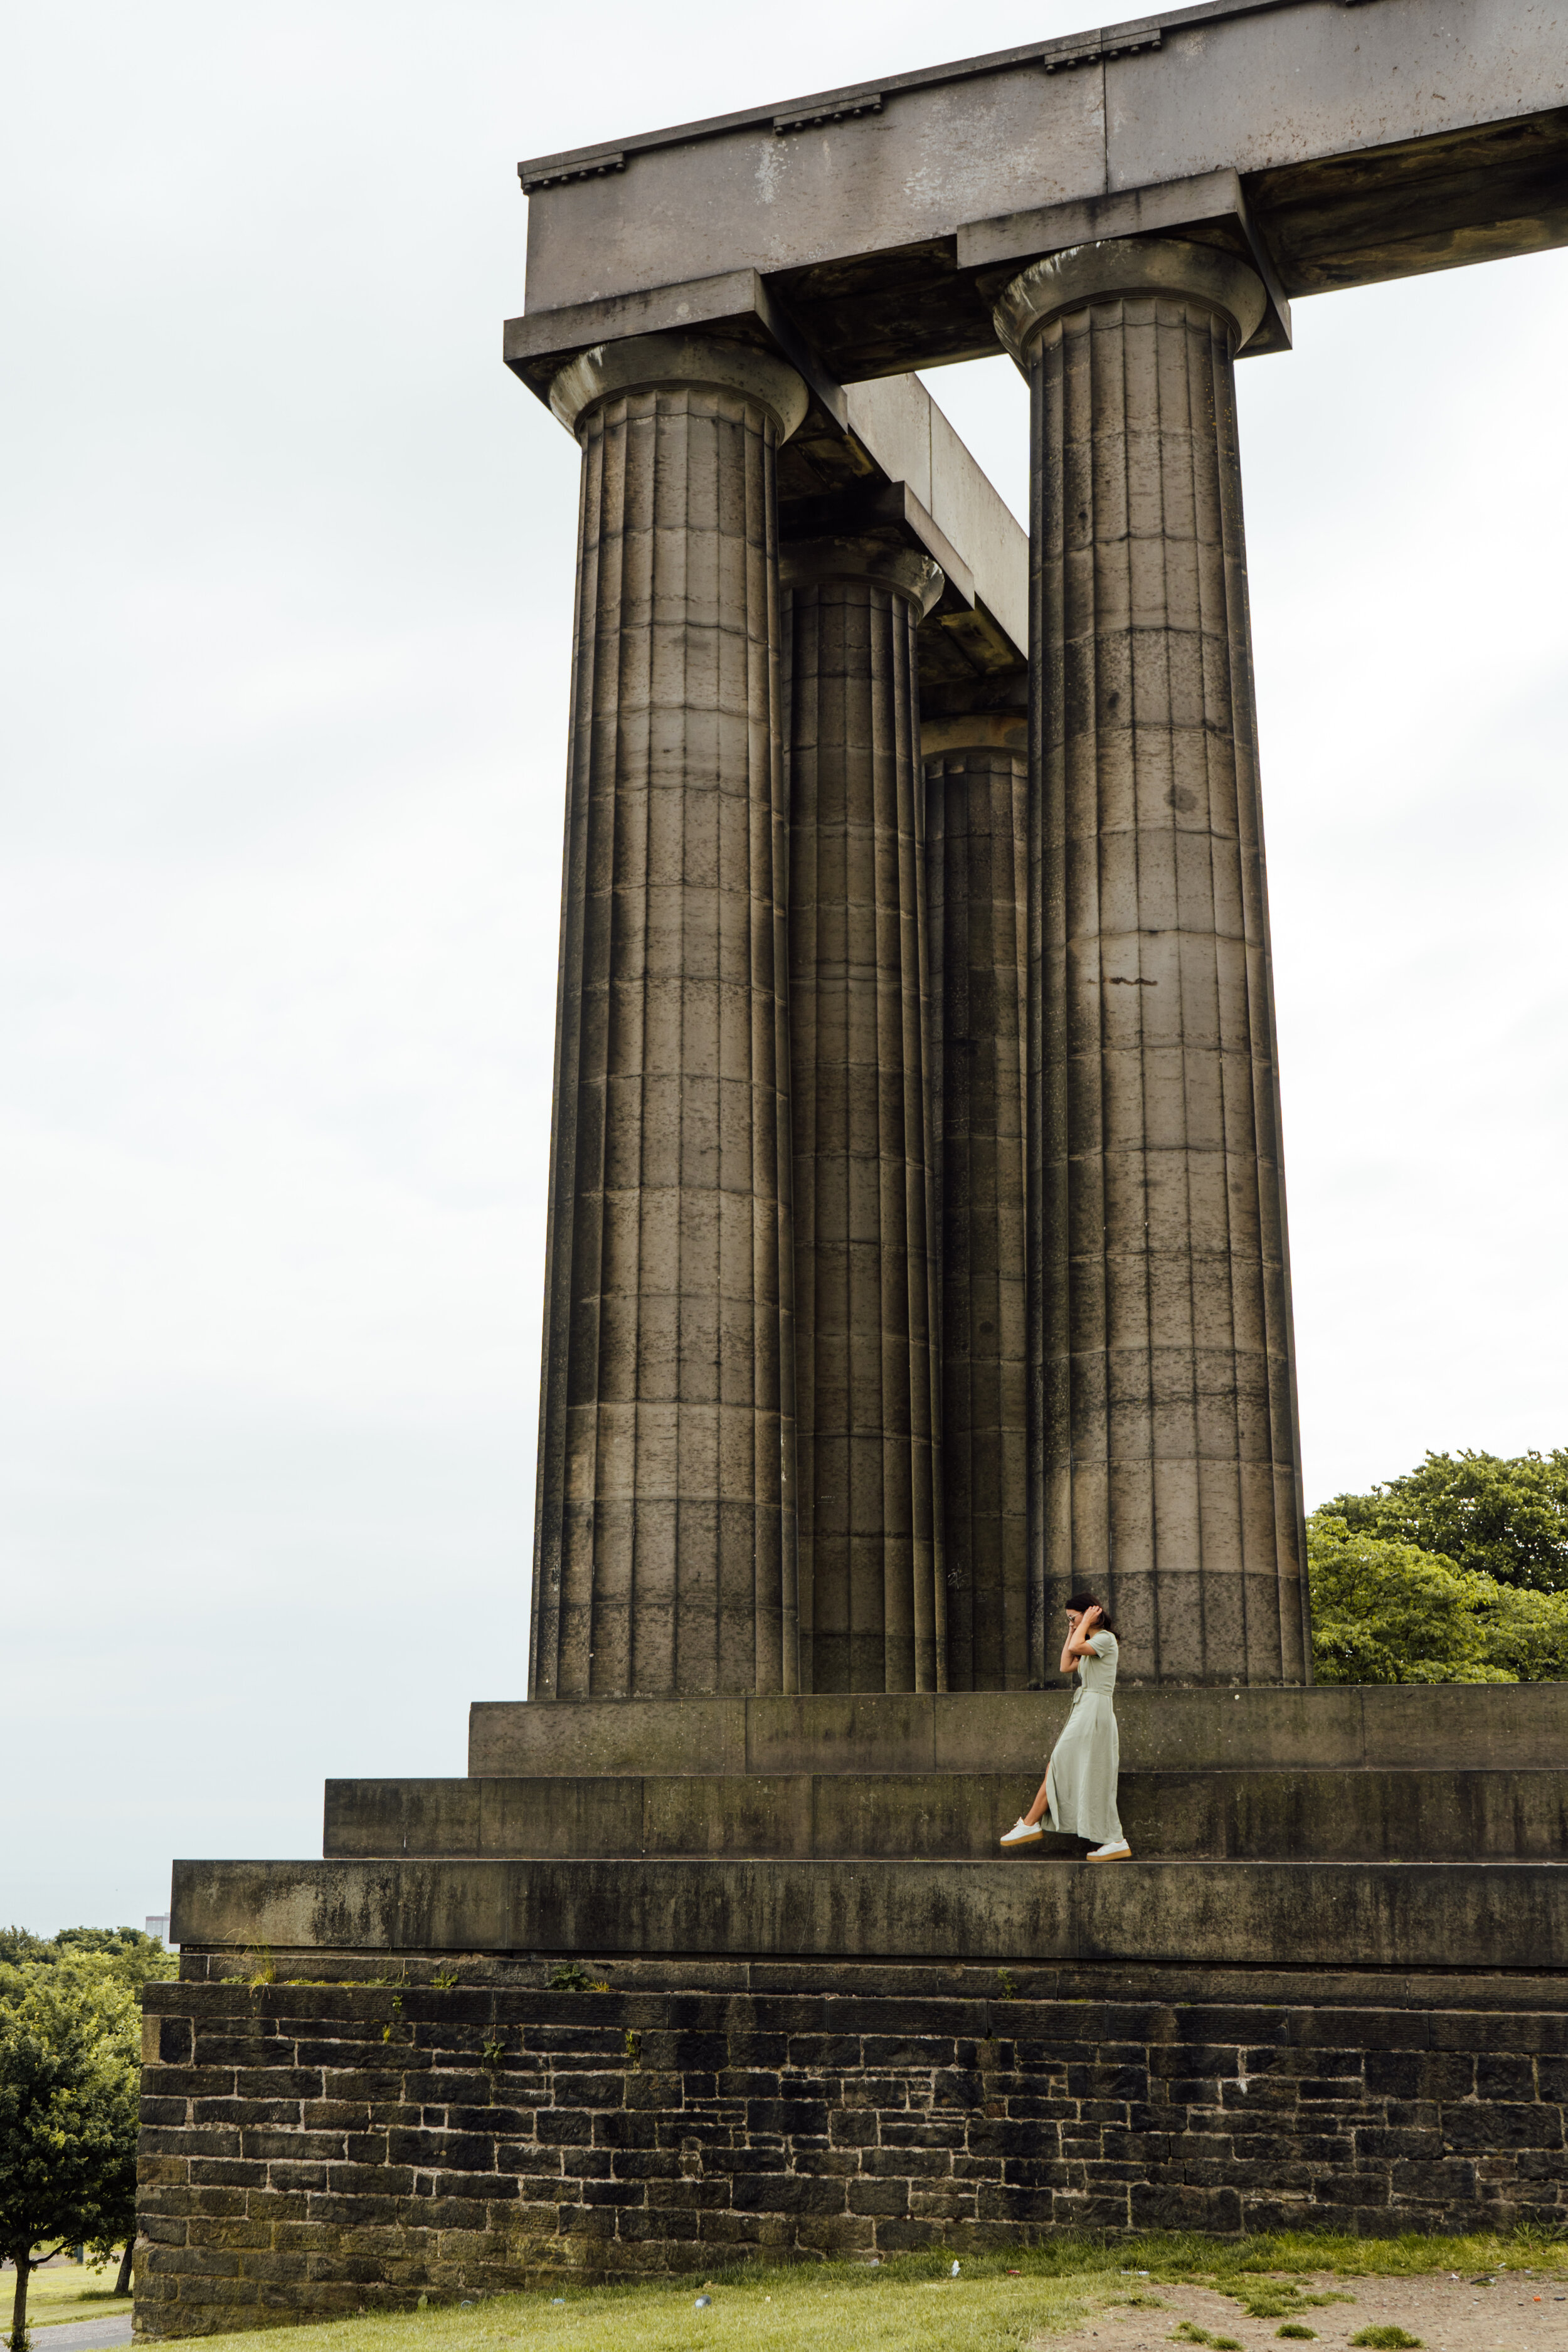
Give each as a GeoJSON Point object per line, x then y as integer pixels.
{"type": "Point", "coordinates": [910, 2303]}
{"type": "Point", "coordinates": [72, 2292]}
{"type": "Point", "coordinates": [847, 2307]}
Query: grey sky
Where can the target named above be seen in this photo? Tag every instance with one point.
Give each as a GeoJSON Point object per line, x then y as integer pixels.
{"type": "Point", "coordinates": [287, 600]}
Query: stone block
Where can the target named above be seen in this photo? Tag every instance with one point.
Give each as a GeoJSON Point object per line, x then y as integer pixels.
{"type": "Point", "coordinates": [586, 1738]}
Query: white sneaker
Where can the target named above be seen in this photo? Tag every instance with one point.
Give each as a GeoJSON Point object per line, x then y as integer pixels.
{"type": "Point", "coordinates": [1021, 1832]}
{"type": "Point", "coordinates": [1119, 1852]}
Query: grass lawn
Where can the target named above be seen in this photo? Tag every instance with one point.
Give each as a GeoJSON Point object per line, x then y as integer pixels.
{"type": "Point", "coordinates": [910, 2303]}
{"type": "Point", "coordinates": [72, 2292]}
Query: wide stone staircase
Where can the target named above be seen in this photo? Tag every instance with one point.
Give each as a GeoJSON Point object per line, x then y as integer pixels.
{"type": "Point", "coordinates": [1404, 1828]}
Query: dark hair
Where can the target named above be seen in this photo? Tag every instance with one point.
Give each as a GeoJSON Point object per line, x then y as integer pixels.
{"type": "Point", "coordinates": [1092, 1600]}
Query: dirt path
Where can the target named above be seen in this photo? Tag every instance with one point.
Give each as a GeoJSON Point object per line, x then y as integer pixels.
{"type": "Point", "coordinates": [1519, 2312]}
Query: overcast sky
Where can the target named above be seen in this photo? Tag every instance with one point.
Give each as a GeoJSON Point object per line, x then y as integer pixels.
{"type": "Point", "coordinates": [287, 580]}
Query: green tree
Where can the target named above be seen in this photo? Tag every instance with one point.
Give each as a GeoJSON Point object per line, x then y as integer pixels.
{"type": "Point", "coordinates": [69, 2069]}
{"type": "Point", "coordinates": [19, 1943]}
{"type": "Point", "coordinates": [1498, 1516]}
{"type": "Point", "coordinates": [1390, 1612]}
{"type": "Point", "coordinates": [132, 1957]}
{"type": "Point", "coordinates": [1526, 1632]}
{"type": "Point", "coordinates": [1386, 1612]}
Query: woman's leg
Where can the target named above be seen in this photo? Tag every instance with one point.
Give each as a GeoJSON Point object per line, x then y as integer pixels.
{"type": "Point", "coordinates": [1037, 1811]}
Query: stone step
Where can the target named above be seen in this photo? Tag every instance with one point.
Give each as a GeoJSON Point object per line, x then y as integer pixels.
{"type": "Point", "coordinates": [1336, 1728]}
{"type": "Point", "coordinates": [1312, 1915]}
{"type": "Point", "coordinates": [1295, 1815]}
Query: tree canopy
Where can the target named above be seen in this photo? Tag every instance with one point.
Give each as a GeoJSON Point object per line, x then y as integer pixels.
{"type": "Point", "coordinates": [1386, 1610]}
{"type": "Point", "coordinates": [1498, 1516]}
{"type": "Point", "coordinates": [130, 1957]}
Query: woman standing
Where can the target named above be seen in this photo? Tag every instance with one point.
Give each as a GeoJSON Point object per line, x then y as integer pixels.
{"type": "Point", "coordinates": [1078, 1791]}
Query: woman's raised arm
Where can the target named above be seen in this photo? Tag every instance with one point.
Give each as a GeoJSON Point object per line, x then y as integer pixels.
{"type": "Point", "coordinates": [1076, 1645]}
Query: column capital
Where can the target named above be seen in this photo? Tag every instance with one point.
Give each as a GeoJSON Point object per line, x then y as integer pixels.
{"type": "Point", "coordinates": [1070, 280]}
{"type": "Point", "coordinates": [980, 731]}
{"type": "Point", "coordinates": [641, 362]}
{"type": "Point", "coordinates": [906, 571]}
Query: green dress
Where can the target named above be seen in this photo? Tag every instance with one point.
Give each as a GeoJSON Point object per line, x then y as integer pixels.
{"type": "Point", "coordinates": [1081, 1779]}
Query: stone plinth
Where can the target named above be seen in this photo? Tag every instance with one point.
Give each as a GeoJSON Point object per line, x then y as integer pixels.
{"type": "Point", "coordinates": [829, 2018]}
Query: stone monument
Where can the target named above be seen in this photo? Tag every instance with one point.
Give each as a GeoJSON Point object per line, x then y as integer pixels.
{"type": "Point", "coordinates": [916, 1251]}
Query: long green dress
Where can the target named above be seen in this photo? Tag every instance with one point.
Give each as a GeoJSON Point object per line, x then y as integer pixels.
{"type": "Point", "coordinates": [1081, 1779]}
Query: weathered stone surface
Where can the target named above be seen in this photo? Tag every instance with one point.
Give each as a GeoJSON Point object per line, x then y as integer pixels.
{"type": "Point", "coordinates": [1166, 1459]}
{"type": "Point", "coordinates": [1369, 1815]}
{"type": "Point", "coordinates": [1426, 140]}
{"type": "Point", "coordinates": [1525, 1994]}
{"type": "Point", "coordinates": [455, 2142]}
{"type": "Point", "coordinates": [1518, 1726]}
{"type": "Point", "coordinates": [1336, 1915]}
{"type": "Point", "coordinates": [665, 1542]}
{"type": "Point", "coordinates": [978, 884]}
{"type": "Point", "coordinates": [865, 1316]}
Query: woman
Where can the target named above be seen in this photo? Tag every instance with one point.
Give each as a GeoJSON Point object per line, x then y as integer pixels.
{"type": "Point", "coordinates": [1078, 1791]}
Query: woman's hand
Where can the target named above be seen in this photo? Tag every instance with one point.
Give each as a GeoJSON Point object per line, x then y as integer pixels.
{"type": "Point", "coordinates": [1080, 1625]}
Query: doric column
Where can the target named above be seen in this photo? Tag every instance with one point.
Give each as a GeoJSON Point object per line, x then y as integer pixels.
{"type": "Point", "coordinates": [870, 1588]}
{"type": "Point", "coordinates": [977, 869]}
{"type": "Point", "coordinates": [1166, 1460]}
{"type": "Point", "coordinates": [665, 1543]}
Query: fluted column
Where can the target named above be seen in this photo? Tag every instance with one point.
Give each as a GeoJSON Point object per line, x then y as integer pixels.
{"type": "Point", "coordinates": [1166, 1459]}
{"type": "Point", "coordinates": [871, 1597]}
{"type": "Point", "coordinates": [977, 867]}
{"type": "Point", "coordinates": [665, 1541]}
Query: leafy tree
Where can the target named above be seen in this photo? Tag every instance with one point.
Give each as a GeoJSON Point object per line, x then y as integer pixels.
{"type": "Point", "coordinates": [1390, 1612]}
{"type": "Point", "coordinates": [1527, 1633]}
{"type": "Point", "coordinates": [1504, 1517]}
{"type": "Point", "coordinates": [1386, 1612]}
{"type": "Point", "coordinates": [17, 1944]}
{"type": "Point", "coordinates": [131, 1957]}
{"type": "Point", "coordinates": [70, 2037]}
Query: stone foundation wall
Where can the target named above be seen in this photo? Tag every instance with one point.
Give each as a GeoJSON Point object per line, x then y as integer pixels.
{"type": "Point", "coordinates": [317, 2147]}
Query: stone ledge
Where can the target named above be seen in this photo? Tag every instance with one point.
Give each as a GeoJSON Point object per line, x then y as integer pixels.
{"type": "Point", "coordinates": [316, 1980]}
{"type": "Point", "coordinates": [1364, 1816]}
{"type": "Point", "coordinates": [1336, 1915]}
{"type": "Point", "coordinates": [1341, 1728]}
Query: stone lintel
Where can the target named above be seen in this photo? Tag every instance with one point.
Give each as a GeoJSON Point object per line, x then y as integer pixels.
{"type": "Point", "coordinates": [1371, 142]}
